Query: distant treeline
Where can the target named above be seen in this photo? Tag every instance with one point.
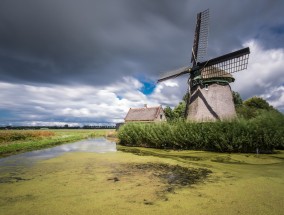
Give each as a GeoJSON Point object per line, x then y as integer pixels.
{"type": "Point", "coordinates": [56, 127]}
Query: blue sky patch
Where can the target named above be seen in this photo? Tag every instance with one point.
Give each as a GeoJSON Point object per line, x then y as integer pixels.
{"type": "Point", "coordinates": [5, 114]}
{"type": "Point", "coordinates": [278, 29]}
{"type": "Point", "coordinates": [148, 87]}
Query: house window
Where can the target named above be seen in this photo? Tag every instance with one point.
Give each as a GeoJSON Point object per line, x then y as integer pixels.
{"type": "Point", "coordinates": [161, 116]}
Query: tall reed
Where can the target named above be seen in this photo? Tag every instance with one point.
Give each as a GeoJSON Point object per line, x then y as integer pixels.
{"type": "Point", "coordinates": [262, 134]}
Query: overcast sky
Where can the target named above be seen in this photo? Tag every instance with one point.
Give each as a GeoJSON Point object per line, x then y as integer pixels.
{"type": "Point", "coordinates": [88, 61]}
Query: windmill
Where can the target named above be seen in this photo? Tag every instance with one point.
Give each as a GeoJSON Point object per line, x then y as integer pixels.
{"type": "Point", "coordinates": [209, 81]}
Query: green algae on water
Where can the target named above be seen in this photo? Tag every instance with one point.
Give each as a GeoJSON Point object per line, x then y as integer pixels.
{"type": "Point", "coordinates": [125, 183]}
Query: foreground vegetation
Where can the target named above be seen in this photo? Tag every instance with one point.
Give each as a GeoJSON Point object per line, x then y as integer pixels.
{"type": "Point", "coordinates": [16, 141]}
{"type": "Point", "coordinates": [261, 134]}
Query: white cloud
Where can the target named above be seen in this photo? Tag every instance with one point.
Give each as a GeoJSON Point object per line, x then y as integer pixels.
{"type": "Point", "coordinates": [264, 76]}
{"type": "Point", "coordinates": [171, 83]}
{"type": "Point", "coordinates": [275, 97]}
{"type": "Point", "coordinates": [35, 104]}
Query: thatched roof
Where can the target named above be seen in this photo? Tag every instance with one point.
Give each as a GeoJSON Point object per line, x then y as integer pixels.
{"type": "Point", "coordinates": [215, 72]}
{"type": "Point", "coordinates": [143, 114]}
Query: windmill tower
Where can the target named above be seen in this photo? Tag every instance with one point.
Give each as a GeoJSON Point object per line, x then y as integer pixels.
{"type": "Point", "coordinates": [209, 81]}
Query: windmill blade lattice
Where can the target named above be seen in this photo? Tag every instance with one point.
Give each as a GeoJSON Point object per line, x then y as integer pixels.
{"type": "Point", "coordinates": [200, 42]}
{"type": "Point", "coordinates": [226, 64]}
{"type": "Point", "coordinates": [203, 36]}
{"type": "Point", "coordinates": [174, 73]}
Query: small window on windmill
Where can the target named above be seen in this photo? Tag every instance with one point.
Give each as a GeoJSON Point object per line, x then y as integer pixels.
{"type": "Point", "coordinates": [206, 86]}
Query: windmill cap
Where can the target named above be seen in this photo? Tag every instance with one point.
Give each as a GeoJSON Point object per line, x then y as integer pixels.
{"type": "Point", "coordinates": [215, 72]}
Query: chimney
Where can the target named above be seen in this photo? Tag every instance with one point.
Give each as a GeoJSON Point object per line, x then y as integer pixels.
{"type": "Point", "coordinates": [145, 105]}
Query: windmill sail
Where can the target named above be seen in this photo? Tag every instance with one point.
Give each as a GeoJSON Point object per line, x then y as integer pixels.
{"type": "Point", "coordinates": [200, 42]}
{"type": "Point", "coordinates": [223, 65]}
{"type": "Point", "coordinates": [174, 73]}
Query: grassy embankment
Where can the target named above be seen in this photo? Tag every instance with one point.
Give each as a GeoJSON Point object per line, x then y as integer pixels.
{"type": "Point", "coordinates": [16, 141]}
{"type": "Point", "coordinates": [264, 133]}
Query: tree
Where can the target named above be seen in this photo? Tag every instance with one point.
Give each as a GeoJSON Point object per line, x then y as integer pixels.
{"type": "Point", "coordinates": [179, 110]}
{"type": "Point", "coordinates": [186, 97]}
{"type": "Point", "coordinates": [169, 113]}
{"type": "Point", "coordinates": [258, 103]}
{"type": "Point", "coordinates": [254, 107]}
{"type": "Point", "coordinates": [237, 99]}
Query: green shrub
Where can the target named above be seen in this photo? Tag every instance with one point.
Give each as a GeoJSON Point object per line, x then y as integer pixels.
{"type": "Point", "coordinates": [263, 133]}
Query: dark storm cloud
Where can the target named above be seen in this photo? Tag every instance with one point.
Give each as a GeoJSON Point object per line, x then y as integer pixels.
{"type": "Point", "coordinates": [97, 42]}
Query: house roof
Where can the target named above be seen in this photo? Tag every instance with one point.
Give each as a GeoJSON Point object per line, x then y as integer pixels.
{"type": "Point", "coordinates": [143, 114]}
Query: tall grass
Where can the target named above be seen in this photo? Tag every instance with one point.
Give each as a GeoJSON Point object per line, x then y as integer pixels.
{"type": "Point", "coordinates": [10, 136]}
{"type": "Point", "coordinates": [264, 133]}
{"type": "Point", "coordinates": [15, 141]}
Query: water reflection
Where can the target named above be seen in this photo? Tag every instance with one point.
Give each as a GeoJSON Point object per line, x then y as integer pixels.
{"type": "Point", "coordinates": [97, 145]}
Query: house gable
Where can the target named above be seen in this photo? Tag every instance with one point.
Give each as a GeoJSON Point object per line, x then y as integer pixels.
{"type": "Point", "coordinates": [145, 114]}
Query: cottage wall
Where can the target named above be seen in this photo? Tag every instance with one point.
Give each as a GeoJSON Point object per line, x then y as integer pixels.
{"type": "Point", "coordinates": [161, 117]}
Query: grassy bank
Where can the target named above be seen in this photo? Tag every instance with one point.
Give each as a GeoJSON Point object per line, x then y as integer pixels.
{"type": "Point", "coordinates": [264, 133]}
{"type": "Point", "coordinates": [15, 141]}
